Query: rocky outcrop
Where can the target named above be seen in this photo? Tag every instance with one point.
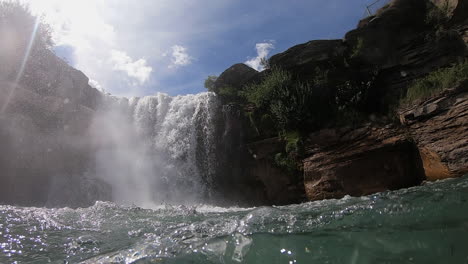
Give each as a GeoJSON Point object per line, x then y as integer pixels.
{"type": "Point", "coordinates": [431, 144]}
{"type": "Point", "coordinates": [456, 10]}
{"type": "Point", "coordinates": [400, 45]}
{"type": "Point", "coordinates": [305, 58]}
{"type": "Point", "coordinates": [440, 129]}
{"type": "Point", "coordinates": [47, 155]}
{"type": "Point", "coordinates": [247, 174]}
{"type": "Point", "coordinates": [53, 77]}
{"type": "Point", "coordinates": [235, 76]}
{"type": "Point", "coordinates": [279, 186]}
{"type": "Point", "coordinates": [380, 59]}
{"type": "Point", "coordinates": [359, 162]}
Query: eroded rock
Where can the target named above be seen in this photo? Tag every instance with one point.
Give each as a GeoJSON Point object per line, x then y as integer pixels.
{"type": "Point", "coordinates": [359, 162]}
{"type": "Point", "coordinates": [440, 128]}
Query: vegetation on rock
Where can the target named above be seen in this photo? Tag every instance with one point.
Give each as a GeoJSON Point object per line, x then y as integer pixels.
{"type": "Point", "coordinates": [436, 82]}
{"type": "Point", "coordinates": [292, 103]}
{"type": "Point", "coordinates": [210, 83]}
{"type": "Point", "coordinates": [23, 33]}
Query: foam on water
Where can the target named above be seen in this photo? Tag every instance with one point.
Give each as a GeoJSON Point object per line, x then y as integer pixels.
{"type": "Point", "coordinates": [425, 224]}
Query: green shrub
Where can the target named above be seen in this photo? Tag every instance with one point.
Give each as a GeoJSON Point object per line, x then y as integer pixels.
{"type": "Point", "coordinates": [229, 94]}
{"type": "Point", "coordinates": [292, 104]}
{"type": "Point", "coordinates": [293, 142]}
{"type": "Point", "coordinates": [436, 82]}
{"type": "Point", "coordinates": [210, 83]}
{"type": "Point", "coordinates": [227, 91]}
{"type": "Point", "coordinates": [438, 16]}
{"type": "Point", "coordinates": [286, 163]}
{"type": "Point", "coordinates": [263, 93]}
{"type": "Point", "coordinates": [17, 17]}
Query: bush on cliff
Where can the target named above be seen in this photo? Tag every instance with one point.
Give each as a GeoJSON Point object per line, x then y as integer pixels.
{"type": "Point", "coordinates": [210, 83]}
{"type": "Point", "coordinates": [24, 38]}
{"type": "Point", "coordinates": [292, 104]}
{"type": "Point", "coordinates": [17, 21]}
{"type": "Point", "coordinates": [436, 82]}
{"type": "Point", "coordinates": [262, 94]}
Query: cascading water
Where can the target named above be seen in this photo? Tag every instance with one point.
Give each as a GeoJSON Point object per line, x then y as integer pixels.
{"type": "Point", "coordinates": [156, 149]}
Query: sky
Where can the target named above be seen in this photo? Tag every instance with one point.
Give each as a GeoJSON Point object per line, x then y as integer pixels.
{"type": "Point", "coordinates": [142, 47]}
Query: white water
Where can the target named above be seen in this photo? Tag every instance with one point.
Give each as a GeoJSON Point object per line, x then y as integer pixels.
{"type": "Point", "coordinates": [156, 149]}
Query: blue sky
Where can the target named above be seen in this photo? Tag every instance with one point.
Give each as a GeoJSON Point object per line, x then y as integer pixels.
{"type": "Point", "coordinates": [137, 48]}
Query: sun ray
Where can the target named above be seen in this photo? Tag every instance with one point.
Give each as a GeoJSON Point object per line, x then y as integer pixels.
{"type": "Point", "coordinates": [22, 67]}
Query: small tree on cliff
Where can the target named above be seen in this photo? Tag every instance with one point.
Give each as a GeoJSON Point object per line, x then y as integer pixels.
{"type": "Point", "coordinates": [23, 37]}
{"type": "Point", "coordinates": [210, 83]}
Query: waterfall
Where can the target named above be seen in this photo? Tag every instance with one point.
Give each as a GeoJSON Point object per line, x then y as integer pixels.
{"type": "Point", "coordinates": [157, 149]}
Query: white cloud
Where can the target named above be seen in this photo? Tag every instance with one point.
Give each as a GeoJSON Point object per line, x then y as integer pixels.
{"type": "Point", "coordinates": [263, 49]}
{"type": "Point", "coordinates": [85, 26]}
{"type": "Point", "coordinates": [180, 57]}
{"type": "Point", "coordinates": [93, 28]}
{"type": "Point", "coordinates": [138, 69]}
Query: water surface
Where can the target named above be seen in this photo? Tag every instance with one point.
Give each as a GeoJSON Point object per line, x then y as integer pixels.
{"type": "Point", "coordinates": [425, 224]}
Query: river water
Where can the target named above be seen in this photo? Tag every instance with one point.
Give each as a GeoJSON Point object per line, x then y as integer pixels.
{"type": "Point", "coordinates": [425, 224]}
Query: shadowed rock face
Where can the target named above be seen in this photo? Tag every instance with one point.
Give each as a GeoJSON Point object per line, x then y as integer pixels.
{"type": "Point", "coordinates": [47, 154]}
{"type": "Point", "coordinates": [312, 54]}
{"type": "Point", "coordinates": [359, 162]}
{"type": "Point", "coordinates": [235, 76]}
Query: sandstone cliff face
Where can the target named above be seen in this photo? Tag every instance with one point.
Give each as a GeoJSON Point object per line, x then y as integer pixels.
{"type": "Point", "coordinates": [440, 129]}
{"type": "Point", "coordinates": [359, 162]}
{"type": "Point", "coordinates": [396, 46]}
{"type": "Point", "coordinates": [430, 144]}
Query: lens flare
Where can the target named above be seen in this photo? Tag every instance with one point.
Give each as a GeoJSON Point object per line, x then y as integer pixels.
{"type": "Point", "coordinates": [22, 67]}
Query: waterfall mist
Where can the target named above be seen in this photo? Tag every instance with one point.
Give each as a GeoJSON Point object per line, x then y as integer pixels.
{"type": "Point", "coordinates": [156, 149]}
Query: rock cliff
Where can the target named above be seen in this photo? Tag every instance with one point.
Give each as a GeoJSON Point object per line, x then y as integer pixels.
{"type": "Point", "coordinates": [44, 123]}
{"type": "Point", "coordinates": [439, 127]}
{"type": "Point", "coordinates": [402, 42]}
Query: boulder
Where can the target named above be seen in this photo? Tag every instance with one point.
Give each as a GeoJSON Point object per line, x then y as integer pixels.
{"type": "Point", "coordinates": [235, 77]}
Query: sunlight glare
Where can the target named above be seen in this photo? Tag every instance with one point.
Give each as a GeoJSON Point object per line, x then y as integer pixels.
{"type": "Point", "coordinates": [74, 22]}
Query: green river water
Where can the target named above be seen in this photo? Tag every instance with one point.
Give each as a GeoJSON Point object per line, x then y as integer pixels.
{"type": "Point", "coordinates": [425, 224]}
